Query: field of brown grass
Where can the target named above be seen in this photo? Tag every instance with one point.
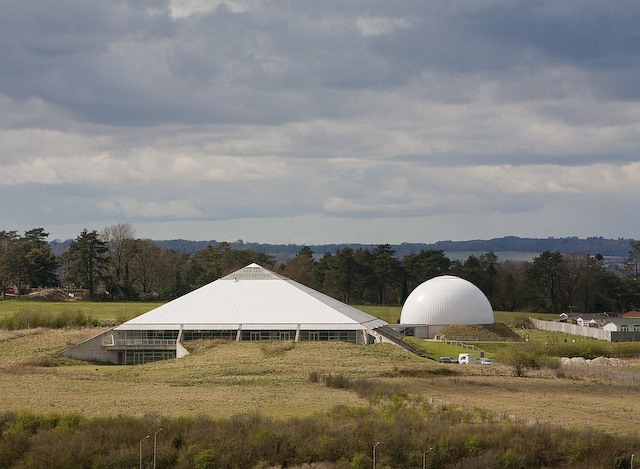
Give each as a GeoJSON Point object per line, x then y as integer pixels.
{"type": "Point", "coordinates": [220, 379]}
{"type": "Point", "coordinates": [223, 379]}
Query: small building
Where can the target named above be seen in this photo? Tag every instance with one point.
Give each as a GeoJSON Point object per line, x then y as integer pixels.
{"type": "Point", "coordinates": [591, 321]}
{"type": "Point", "coordinates": [440, 302]}
{"type": "Point", "coordinates": [252, 303]}
{"type": "Point", "coordinates": [622, 324]}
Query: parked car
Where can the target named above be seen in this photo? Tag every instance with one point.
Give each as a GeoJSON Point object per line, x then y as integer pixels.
{"type": "Point", "coordinates": [486, 361]}
{"type": "Point", "coordinates": [447, 360]}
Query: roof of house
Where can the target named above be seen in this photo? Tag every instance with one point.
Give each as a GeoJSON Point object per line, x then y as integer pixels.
{"type": "Point", "coordinates": [631, 314]}
{"type": "Point", "coordinates": [254, 298]}
{"type": "Point", "coordinates": [629, 321]}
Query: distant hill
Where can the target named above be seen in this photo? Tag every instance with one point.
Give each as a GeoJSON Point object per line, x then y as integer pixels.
{"type": "Point", "coordinates": [596, 245]}
{"type": "Point", "coordinates": [574, 245]}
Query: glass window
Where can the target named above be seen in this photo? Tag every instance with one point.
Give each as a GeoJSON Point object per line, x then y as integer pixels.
{"type": "Point", "coordinates": [139, 357]}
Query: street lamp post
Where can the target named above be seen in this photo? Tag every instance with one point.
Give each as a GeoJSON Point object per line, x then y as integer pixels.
{"type": "Point", "coordinates": [155, 446]}
{"type": "Point", "coordinates": [141, 441]}
{"type": "Point", "coordinates": [424, 458]}
{"type": "Point", "coordinates": [374, 454]}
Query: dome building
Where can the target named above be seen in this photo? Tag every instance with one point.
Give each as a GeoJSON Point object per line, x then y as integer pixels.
{"type": "Point", "coordinates": [442, 301]}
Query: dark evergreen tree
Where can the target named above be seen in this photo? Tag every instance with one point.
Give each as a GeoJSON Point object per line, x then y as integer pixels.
{"type": "Point", "coordinates": [29, 260]}
{"type": "Point", "coordinates": [88, 262]}
{"type": "Point", "coordinates": [341, 274]}
{"type": "Point", "coordinates": [301, 267]}
{"type": "Point", "coordinates": [543, 282]}
{"type": "Point", "coordinates": [422, 266]}
{"type": "Point", "coordinates": [386, 274]}
{"type": "Point", "coordinates": [7, 244]}
{"type": "Point", "coordinates": [510, 282]}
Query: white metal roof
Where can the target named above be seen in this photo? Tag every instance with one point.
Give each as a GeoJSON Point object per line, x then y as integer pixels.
{"type": "Point", "coordinates": [254, 298]}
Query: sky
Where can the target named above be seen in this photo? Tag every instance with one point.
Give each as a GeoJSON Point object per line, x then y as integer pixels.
{"type": "Point", "coordinates": [306, 122]}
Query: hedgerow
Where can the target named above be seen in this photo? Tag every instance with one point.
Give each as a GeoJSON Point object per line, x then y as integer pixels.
{"type": "Point", "coordinates": [338, 439]}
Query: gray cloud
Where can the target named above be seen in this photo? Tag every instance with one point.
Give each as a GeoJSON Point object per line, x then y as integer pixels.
{"type": "Point", "coordinates": [247, 114]}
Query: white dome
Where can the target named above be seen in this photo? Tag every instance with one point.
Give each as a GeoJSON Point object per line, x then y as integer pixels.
{"type": "Point", "coordinates": [446, 300]}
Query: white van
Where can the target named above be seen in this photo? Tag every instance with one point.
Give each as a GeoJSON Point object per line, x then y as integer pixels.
{"type": "Point", "coordinates": [467, 359]}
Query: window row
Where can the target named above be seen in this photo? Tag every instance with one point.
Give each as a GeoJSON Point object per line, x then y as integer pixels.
{"type": "Point", "coordinates": [229, 334]}
{"type": "Point", "coordinates": [135, 357]}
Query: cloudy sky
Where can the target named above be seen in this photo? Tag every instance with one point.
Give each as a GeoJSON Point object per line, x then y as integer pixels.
{"type": "Point", "coordinates": [321, 121]}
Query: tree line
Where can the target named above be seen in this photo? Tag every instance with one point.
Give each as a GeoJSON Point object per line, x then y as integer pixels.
{"type": "Point", "coordinates": [115, 265]}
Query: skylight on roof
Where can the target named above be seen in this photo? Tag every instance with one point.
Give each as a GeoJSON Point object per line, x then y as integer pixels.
{"type": "Point", "coordinates": [252, 272]}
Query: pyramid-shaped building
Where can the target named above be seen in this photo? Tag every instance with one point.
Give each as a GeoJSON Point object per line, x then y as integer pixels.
{"type": "Point", "coordinates": [252, 303]}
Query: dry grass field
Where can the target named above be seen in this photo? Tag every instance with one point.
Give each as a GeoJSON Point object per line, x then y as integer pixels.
{"type": "Point", "coordinates": [222, 379]}
{"type": "Point", "coordinates": [218, 379]}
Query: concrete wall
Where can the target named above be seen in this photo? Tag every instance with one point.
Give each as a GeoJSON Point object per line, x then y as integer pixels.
{"type": "Point", "coordinates": [91, 350]}
{"type": "Point", "coordinates": [427, 332]}
{"type": "Point", "coordinates": [585, 331]}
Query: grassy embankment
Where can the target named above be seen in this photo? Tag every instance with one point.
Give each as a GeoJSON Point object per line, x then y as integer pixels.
{"type": "Point", "coordinates": [24, 314]}
{"type": "Point", "coordinates": [223, 380]}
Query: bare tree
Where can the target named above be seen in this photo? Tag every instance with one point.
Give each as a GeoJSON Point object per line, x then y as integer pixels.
{"type": "Point", "coordinates": [119, 240]}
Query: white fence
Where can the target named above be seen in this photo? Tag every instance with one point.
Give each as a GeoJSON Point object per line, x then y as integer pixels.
{"type": "Point", "coordinates": [574, 329]}
{"type": "Point", "coordinates": [585, 331]}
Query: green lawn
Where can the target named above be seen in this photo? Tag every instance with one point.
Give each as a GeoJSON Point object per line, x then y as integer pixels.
{"type": "Point", "coordinates": [437, 349]}
{"type": "Point", "coordinates": [391, 314]}
{"type": "Point", "coordinates": [101, 311]}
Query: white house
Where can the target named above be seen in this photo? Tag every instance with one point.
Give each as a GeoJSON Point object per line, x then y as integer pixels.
{"type": "Point", "coordinates": [620, 324]}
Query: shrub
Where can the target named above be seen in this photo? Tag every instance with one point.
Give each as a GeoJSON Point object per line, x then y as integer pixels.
{"type": "Point", "coordinates": [423, 373]}
{"type": "Point", "coordinates": [546, 361]}
{"type": "Point", "coordinates": [331, 381]}
{"type": "Point", "coordinates": [472, 445]}
{"type": "Point", "coordinates": [520, 357]}
{"type": "Point", "coordinates": [338, 438]}
{"type": "Point", "coordinates": [373, 390]}
{"type": "Point", "coordinates": [206, 459]}
{"type": "Point", "coordinates": [27, 421]}
{"type": "Point", "coordinates": [337, 381]}
{"type": "Point", "coordinates": [359, 461]}
{"type": "Point", "coordinates": [530, 355]}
